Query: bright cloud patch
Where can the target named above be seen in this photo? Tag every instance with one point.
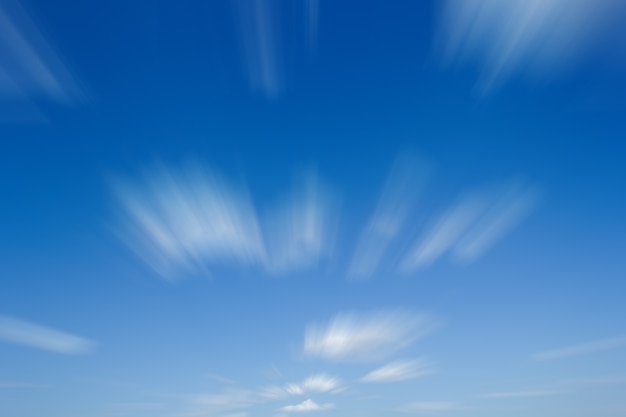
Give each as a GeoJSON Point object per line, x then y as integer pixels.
{"type": "Point", "coordinates": [306, 406]}
{"type": "Point", "coordinates": [375, 336]}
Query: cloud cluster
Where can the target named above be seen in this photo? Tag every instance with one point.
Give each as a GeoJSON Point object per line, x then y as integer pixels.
{"type": "Point", "coordinates": [235, 401]}
{"type": "Point", "coordinates": [182, 221]}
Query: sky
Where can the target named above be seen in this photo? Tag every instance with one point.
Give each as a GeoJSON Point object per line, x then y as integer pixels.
{"type": "Point", "coordinates": [270, 208]}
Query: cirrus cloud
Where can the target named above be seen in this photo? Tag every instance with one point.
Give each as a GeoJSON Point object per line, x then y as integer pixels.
{"type": "Point", "coordinates": [352, 337]}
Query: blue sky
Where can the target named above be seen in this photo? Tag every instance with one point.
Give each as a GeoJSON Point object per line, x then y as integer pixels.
{"type": "Point", "coordinates": [270, 208]}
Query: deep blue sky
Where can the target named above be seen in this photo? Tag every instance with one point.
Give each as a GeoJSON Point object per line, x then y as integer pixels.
{"type": "Point", "coordinates": [367, 102]}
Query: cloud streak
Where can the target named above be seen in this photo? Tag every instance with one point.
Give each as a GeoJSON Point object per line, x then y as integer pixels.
{"type": "Point", "coordinates": [400, 371]}
{"type": "Point", "coordinates": [472, 226]}
{"type": "Point", "coordinates": [301, 232]}
{"type": "Point", "coordinates": [352, 337]}
{"type": "Point", "coordinates": [184, 221]}
{"type": "Point", "coordinates": [20, 332]}
{"type": "Point", "coordinates": [582, 349]}
{"type": "Point", "coordinates": [504, 38]}
{"type": "Point", "coordinates": [259, 26]}
{"type": "Point", "coordinates": [315, 384]}
{"type": "Point", "coordinates": [443, 235]}
{"type": "Point", "coordinates": [28, 65]}
{"type": "Point", "coordinates": [407, 178]}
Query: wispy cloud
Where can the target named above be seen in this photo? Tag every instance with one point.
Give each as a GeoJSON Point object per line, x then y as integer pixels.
{"type": "Point", "coordinates": [352, 337]}
{"type": "Point", "coordinates": [319, 383]}
{"type": "Point", "coordinates": [182, 221]}
{"type": "Point", "coordinates": [28, 334]}
{"type": "Point", "coordinates": [472, 226]}
{"type": "Point", "coordinates": [29, 67]}
{"type": "Point", "coordinates": [301, 232]}
{"type": "Point", "coordinates": [306, 406]}
{"type": "Point", "coordinates": [582, 349]}
{"type": "Point", "coordinates": [506, 212]}
{"type": "Point", "coordinates": [408, 175]}
{"type": "Point", "coordinates": [259, 26]}
{"type": "Point", "coordinates": [429, 407]}
{"type": "Point", "coordinates": [443, 235]}
{"type": "Point", "coordinates": [312, 11]}
{"type": "Point", "coordinates": [504, 38]}
{"type": "Point", "coordinates": [400, 371]}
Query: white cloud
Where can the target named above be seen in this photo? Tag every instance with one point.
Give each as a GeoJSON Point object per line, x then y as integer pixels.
{"type": "Point", "coordinates": [182, 221]}
{"type": "Point", "coordinates": [28, 65]}
{"type": "Point", "coordinates": [582, 349]}
{"type": "Point", "coordinates": [28, 334]}
{"type": "Point", "coordinates": [319, 383]}
{"type": "Point", "coordinates": [430, 407]}
{"type": "Point", "coordinates": [400, 371]}
{"type": "Point", "coordinates": [512, 36]}
{"type": "Point", "coordinates": [407, 177]}
{"type": "Point", "coordinates": [306, 406]}
{"type": "Point", "coordinates": [352, 337]}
